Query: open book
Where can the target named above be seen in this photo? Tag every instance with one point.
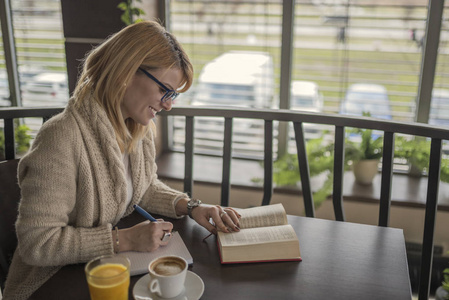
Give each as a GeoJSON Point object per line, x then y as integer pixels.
{"type": "Point", "coordinates": [264, 235]}
{"type": "Point", "coordinates": [141, 260]}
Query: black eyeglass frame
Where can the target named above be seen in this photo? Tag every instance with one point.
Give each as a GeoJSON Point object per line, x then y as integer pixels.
{"type": "Point", "coordinates": [169, 93]}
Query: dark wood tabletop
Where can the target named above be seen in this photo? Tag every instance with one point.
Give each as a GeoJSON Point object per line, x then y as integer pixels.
{"type": "Point", "coordinates": [341, 260]}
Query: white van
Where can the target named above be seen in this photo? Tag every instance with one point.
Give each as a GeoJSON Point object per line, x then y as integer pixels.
{"type": "Point", "coordinates": [234, 79]}
{"type": "Point", "coordinates": [305, 96]}
{"type": "Point", "coordinates": [237, 78]}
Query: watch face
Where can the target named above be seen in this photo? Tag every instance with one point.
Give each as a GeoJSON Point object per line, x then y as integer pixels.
{"type": "Point", "coordinates": [194, 203]}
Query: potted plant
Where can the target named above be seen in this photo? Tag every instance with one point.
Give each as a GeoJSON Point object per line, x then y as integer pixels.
{"type": "Point", "coordinates": [320, 157]}
{"type": "Point", "coordinates": [442, 293]}
{"type": "Point", "coordinates": [416, 151]}
{"type": "Point", "coordinates": [365, 155]}
{"type": "Point", "coordinates": [22, 139]}
{"type": "Point", "coordinates": [367, 151]}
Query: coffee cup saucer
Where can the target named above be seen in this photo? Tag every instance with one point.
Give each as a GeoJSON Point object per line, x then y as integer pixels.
{"type": "Point", "coordinates": [194, 288]}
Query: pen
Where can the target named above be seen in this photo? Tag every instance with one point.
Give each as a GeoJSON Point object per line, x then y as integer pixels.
{"type": "Point", "coordinates": [144, 213]}
{"type": "Point", "coordinates": [141, 211]}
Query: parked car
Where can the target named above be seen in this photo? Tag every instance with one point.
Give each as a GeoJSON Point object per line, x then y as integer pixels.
{"type": "Point", "coordinates": [234, 79]}
{"type": "Point", "coordinates": [439, 112]}
{"type": "Point", "coordinates": [439, 107]}
{"type": "Point", "coordinates": [305, 96]}
{"type": "Point", "coordinates": [367, 98]}
{"type": "Point", "coordinates": [4, 90]}
{"type": "Point", "coordinates": [46, 89]}
{"type": "Point", "coordinates": [26, 73]}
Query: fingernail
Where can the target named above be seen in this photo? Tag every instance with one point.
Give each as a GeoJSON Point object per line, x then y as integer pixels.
{"type": "Point", "coordinates": [236, 228]}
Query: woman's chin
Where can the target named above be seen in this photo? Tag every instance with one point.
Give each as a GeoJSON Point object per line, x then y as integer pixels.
{"type": "Point", "coordinates": [147, 121]}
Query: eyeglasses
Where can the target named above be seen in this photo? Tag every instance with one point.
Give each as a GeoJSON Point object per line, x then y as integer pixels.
{"type": "Point", "coordinates": [169, 94]}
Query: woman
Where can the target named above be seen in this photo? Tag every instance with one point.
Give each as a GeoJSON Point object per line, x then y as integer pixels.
{"type": "Point", "coordinates": [90, 164]}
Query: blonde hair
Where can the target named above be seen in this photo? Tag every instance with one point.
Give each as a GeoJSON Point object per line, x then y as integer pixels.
{"type": "Point", "coordinates": [108, 67]}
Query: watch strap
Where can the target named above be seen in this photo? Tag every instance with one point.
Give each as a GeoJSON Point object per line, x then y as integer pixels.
{"type": "Point", "coordinates": [191, 205]}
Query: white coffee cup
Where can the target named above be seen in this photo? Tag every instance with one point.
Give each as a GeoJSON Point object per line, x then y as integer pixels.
{"type": "Point", "coordinates": [168, 274]}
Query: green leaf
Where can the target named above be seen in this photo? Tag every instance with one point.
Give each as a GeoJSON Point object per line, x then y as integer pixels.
{"type": "Point", "coordinates": [125, 18]}
{"type": "Point", "coordinates": [320, 157]}
{"type": "Point", "coordinates": [137, 11]}
{"type": "Point", "coordinates": [130, 12]}
{"type": "Point", "coordinates": [122, 6]}
{"type": "Point", "coordinates": [22, 139]}
{"type": "Point", "coordinates": [2, 143]}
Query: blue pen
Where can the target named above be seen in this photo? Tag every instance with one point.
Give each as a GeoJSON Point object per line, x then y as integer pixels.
{"type": "Point", "coordinates": [141, 211]}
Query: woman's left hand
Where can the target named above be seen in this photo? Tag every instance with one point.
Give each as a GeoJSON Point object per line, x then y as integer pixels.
{"type": "Point", "coordinates": [226, 219]}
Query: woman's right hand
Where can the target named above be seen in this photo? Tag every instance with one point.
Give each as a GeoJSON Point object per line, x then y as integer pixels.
{"type": "Point", "coordinates": [143, 237]}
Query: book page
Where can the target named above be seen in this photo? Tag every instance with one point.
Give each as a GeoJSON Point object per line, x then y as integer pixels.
{"type": "Point", "coordinates": [141, 260]}
{"type": "Point", "coordinates": [258, 235]}
{"type": "Point", "coordinates": [262, 216]}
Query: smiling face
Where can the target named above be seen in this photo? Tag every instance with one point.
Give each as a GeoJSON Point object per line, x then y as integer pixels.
{"type": "Point", "coordinates": [142, 98]}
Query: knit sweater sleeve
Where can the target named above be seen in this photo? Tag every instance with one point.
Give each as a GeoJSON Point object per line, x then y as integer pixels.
{"type": "Point", "coordinates": [159, 198]}
{"type": "Point", "coordinates": [48, 182]}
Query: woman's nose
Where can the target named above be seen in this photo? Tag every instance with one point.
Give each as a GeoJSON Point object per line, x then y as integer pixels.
{"type": "Point", "coordinates": [167, 105]}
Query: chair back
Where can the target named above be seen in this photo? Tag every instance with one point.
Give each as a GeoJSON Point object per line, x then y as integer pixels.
{"type": "Point", "coordinates": [9, 202]}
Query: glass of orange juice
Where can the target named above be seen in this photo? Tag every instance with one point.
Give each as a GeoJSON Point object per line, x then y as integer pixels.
{"type": "Point", "coordinates": [108, 277]}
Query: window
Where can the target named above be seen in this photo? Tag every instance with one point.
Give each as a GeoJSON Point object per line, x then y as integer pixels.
{"type": "Point", "coordinates": [341, 43]}
{"type": "Point", "coordinates": [40, 55]}
{"type": "Point", "coordinates": [4, 86]}
{"type": "Point", "coordinates": [348, 57]}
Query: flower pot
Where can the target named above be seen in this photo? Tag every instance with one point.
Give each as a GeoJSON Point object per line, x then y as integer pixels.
{"type": "Point", "coordinates": [365, 171]}
{"type": "Point", "coordinates": [441, 294]}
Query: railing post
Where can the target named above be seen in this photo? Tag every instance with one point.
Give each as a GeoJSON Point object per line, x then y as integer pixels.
{"type": "Point", "coordinates": [433, 183]}
{"type": "Point", "coordinates": [268, 163]}
{"type": "Point", "coordinates": [227, 158]}
{"type": "Point", "coordinates": [304, 170]}
{"type": "Point", "coordinates": [188, 155]}
{"type": "Point", "coordinates": [10, 148]}
{"type": "Point", "coordinates": [387, 175]}
{"type": "Point", "coordinates": [339, 170]}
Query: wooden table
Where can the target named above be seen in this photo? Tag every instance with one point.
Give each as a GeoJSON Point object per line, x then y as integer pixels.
{"type": "Point", "coordinates": [340, 261]}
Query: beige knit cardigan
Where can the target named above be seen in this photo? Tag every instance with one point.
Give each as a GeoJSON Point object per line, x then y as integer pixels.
{"type": "Point", "coordinates": [73, 185]}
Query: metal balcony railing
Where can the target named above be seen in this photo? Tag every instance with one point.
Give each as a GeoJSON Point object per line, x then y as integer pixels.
{"type": "Point", "coordinates": [389, 129]}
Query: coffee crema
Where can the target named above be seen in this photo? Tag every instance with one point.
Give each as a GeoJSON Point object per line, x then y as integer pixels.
{"type": "Point", "coordinates": [168, 267]}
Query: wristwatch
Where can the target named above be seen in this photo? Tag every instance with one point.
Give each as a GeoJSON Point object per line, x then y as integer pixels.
{"type": "Point", "coordinates": [191, 205]}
